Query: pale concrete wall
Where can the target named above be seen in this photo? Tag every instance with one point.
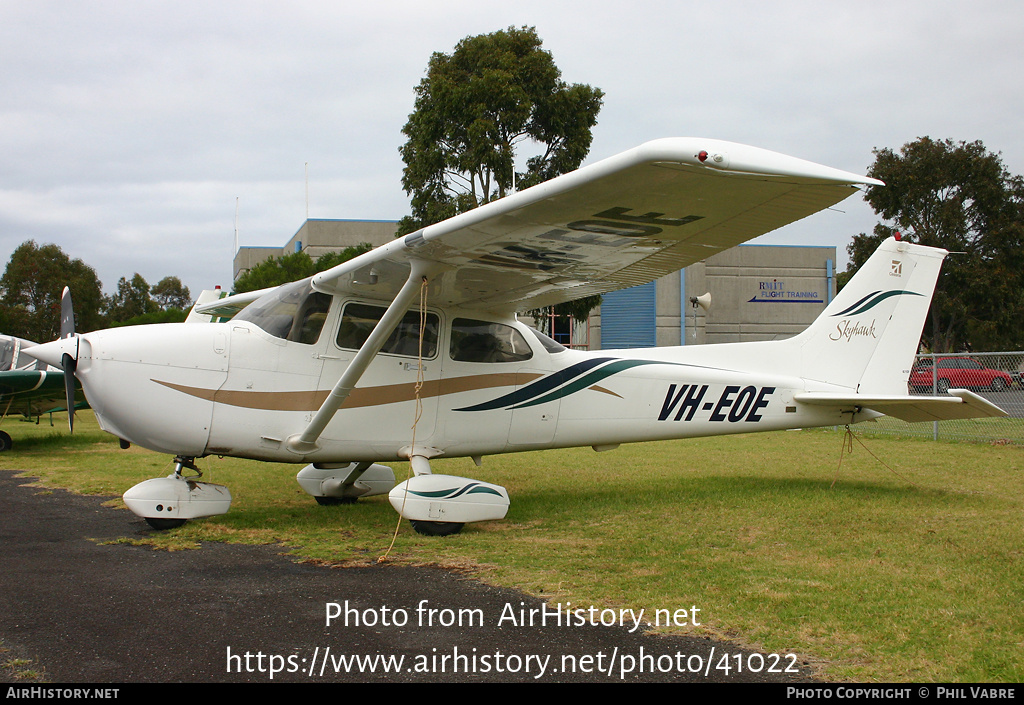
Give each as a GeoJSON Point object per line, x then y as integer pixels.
{"type": "Point", "coordinates": [321, 236]}
{"type": "Point", "coordinates": [318, 237]}
{"type": "Point", "coordinates": [762, 292]}
{"type": "Point", "coordinates": [789, 286]}
{"type": "Point", "coordinates": [248, 257]}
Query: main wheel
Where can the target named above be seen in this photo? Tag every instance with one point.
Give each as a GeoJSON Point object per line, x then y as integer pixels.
{"type": "Point", "coordinates": [436, 528]}
{"type": "Point", "coordinates": [5, 441]}
{"type": "Point", "coordinates": [164, 524]}
{"type": "Point", "coordinates": [331, 501]}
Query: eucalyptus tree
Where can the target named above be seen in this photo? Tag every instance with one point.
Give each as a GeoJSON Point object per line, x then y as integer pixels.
{"type": "Point", "coordinates": [476, 108]}
{"type": "Point", "coordinates": [31, 287]}
{"type": "Point", "coordinates": [960, 197]}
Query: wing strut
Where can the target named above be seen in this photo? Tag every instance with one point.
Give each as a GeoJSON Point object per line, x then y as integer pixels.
{"type": "Point", "coordinates": [306, 442]}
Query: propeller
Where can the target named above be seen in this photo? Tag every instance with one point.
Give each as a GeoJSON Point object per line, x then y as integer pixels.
{"type": "Point", "coordinates": [68, 362]}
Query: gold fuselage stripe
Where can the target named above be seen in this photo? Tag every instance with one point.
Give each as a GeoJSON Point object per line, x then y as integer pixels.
{"type": "Point", "coordinates": [359, 397]}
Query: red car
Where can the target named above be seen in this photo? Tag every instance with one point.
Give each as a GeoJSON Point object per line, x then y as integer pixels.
{"type": "Point", "coordinates": [957, 373]}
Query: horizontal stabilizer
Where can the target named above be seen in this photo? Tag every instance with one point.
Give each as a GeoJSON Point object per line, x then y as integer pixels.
{"type": "Point", "coordinates": [959, 404]}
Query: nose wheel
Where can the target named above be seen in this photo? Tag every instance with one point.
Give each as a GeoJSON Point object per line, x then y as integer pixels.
{"type": "Point", "coordinates": [168, 502]}
{"type": "Point", "coordinates": [181, 463]}
{"type": "Point", "coordinates": [165, 524]}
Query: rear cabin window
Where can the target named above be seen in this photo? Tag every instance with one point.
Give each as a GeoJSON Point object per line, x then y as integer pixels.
{"type": "Point", "coordinates": [483, 341]}
{"type": "Point", "coordinates": [359, 320]}
{"type": "Point", "coordinates": [551, 345]}
{"type": "Point", "coordinates": [293, 312]}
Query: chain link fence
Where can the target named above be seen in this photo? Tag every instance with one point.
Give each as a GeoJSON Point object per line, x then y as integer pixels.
{"type": "Point", "coordinates": [999, 377]}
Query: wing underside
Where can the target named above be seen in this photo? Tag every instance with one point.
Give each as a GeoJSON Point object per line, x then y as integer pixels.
{"type": "Point", "coordinates": [617, 223]}
{"type": "Point", "coordinates": [35, 392]}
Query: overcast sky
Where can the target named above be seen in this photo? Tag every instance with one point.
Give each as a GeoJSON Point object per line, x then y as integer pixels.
{"type": "Point", "coordinates": [129, 129]}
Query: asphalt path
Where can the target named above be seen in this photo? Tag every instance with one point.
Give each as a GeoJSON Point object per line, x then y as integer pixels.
{"type": "Point", "coordinates": [86, 608]}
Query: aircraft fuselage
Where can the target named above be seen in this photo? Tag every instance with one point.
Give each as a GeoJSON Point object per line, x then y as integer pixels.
{"type": "Point", "coordinates": [235, 389]}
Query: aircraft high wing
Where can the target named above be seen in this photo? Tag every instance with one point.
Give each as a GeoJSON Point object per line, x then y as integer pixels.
{"type": "Point", "coordinates": [617, 223]}
{"type": "Point", "coordinates": [413, 350]}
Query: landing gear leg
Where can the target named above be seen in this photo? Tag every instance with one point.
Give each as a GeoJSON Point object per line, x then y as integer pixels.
{"type": "Point", "coordinates": [181, 462]}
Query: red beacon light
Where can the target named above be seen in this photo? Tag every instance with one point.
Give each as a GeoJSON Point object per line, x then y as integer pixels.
{"type": "Point", "coordinates": [702, 156]}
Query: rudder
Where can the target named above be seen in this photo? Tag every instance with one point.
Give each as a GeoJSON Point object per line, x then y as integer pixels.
{"type": "Point", "coordinates": [866, 339]}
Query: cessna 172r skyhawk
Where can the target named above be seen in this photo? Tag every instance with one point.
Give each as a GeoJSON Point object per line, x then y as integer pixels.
{"type": "Point", "coordinates": [331, 371]}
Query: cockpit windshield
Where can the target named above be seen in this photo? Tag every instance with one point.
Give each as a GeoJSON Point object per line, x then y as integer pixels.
{"type": "Point", "coordinates": [11, 357]}
{"type": "Point", "coordinates": [292, 312]}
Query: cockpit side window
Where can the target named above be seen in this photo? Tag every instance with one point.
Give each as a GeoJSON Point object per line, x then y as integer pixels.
{"type": "Point", "coordinates": [6, 355]}
{"type": "Point", "coordinates": [483, 341]}
{"type": "Point", "coordinates": [292, 312]}
{"type": "Point", "coordinates": [359, 320]}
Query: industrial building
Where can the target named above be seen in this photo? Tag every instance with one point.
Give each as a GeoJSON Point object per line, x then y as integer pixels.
{"type": "Point", "coordinates": [757, 292]}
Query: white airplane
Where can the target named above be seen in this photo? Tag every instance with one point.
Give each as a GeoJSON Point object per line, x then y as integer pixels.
{"type": "Point", "coordinates": [30, 387]}
{"type": "Point", "coordinates": [413, 351]}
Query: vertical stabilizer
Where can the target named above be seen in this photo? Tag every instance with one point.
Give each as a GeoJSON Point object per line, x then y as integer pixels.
{"type": "Point", "coordinates": [207, 296]}
{"type": "Point", "coordinates": [867, 337]}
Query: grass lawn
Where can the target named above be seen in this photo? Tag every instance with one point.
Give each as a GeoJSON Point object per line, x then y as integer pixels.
{"type": "Point", "coordinates": [911, 572]}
